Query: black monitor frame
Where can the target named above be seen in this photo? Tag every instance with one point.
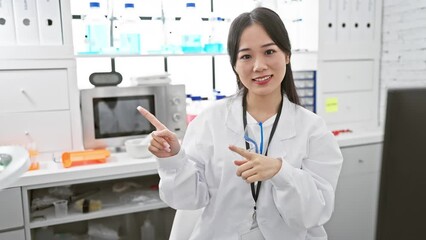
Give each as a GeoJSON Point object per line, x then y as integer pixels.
{"type": "Point", "coordinates": [402, 196]}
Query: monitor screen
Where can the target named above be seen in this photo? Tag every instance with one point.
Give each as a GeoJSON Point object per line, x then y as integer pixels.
{"type": "Point", "coordinates": [118, 117]}
{"type": "Point", "coordinates": [402, 200]}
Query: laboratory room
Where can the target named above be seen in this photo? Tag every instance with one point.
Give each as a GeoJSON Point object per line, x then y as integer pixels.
{"type": "Point", "coordinates": [212, 119]}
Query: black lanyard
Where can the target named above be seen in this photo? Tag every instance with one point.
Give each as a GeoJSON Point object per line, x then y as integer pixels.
{"type": "Point", "coordinates": [255, 192]}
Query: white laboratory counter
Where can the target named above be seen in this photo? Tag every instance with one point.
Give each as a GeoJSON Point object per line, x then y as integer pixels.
{"type": "Point", "coordinates": [123, 164]}
{"type": "Point", "coordinates": [118, 164]}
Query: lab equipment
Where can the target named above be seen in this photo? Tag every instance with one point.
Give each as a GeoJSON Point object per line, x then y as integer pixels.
{"type": "Point", "coordinates": [110, 117]}
{"type": "Point", "coordinates": [97, 29]}
{"type": "Point", "coordinates": [14, 161]}
{"type": "Point", "coordinates": [78, 158]}
{"type": "Point", "coordinates": [129, 29]}
{"type": "Point", "coordinates": [147, 230]}
{"type": "Point", "coordinates": [191, 30]}
{"type": "Point", "coordinates": [61, 208]}
{"type": "Point", "coordinates": [138, 148]}
{"type": "Point", "coordinates": [216, 41]}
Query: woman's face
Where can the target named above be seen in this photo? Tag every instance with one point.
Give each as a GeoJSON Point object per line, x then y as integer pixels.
{"type": "Point", "coordinates": [260, 65]}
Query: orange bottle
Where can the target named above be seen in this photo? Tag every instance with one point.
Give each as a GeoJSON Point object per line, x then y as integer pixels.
{"type": "Point", "coordinates": [71, 159]}
{"type": "Point", "coordinates": [33, 153]}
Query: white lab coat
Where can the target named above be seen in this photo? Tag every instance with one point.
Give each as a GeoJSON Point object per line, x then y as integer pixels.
{"type": "Point", "coordinates": [294, 204]}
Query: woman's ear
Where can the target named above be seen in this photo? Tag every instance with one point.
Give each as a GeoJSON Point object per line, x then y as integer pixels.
{"type": "Point", "coordinates": [287, 59]}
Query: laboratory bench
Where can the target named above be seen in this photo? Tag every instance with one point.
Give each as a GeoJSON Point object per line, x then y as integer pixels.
{"type": "Point", "coordinates": [124, 194]}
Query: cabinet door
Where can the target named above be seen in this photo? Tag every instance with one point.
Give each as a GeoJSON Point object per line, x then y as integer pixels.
{"type": "Point", "coordinates": [13, 235]}
{"type": "Point", "coordinates": [354, 216]}
{"type": "Point", "coordinates": [10, 209]}
{"type": "Point", "coordinates": [51, 131]}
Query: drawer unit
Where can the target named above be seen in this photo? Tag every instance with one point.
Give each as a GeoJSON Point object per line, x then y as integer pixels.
{"type": "Point", "coordinates": [350, 107]}
{"type": "Point", "coordinates": [33, 90]}
{"type": "Point", "coordinates": [305, 82]}
{"type": "Point", "coordinates": [10, 210]}
{"type": "Point", "coordinates": [51, 131]}
{"type": "Point", "coordinates": [347, 76]}
{"type": "Point", "coordinates": [361, 159]}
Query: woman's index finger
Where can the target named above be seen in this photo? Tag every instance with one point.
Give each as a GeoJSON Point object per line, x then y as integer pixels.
{"type": "Point", "coordinates": [151, 118]}
{"type": "Point", "coordinates": [241, 151]}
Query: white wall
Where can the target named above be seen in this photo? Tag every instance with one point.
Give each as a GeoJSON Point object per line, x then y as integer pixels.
{"type": "Point", "coordinates": [403, 61]}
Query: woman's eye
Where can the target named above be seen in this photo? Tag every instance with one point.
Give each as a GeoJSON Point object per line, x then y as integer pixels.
{"type": "Point", "coordinates": [269, 51]}
{"type": "Point", "coordinates": [245, 57]}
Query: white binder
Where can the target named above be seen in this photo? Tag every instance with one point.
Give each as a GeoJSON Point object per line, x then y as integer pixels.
{"type": "Point", "coordinates": [7, 24]}
{"type": "Point", "coordinates": [26, 23]}
{"type": "Point", "coordinates": [49, 22]}
{"type": "Point", "coordinates": [368, 23]}
{"type": "Point", "coordinates": [329, 26]}
{"type": "Point", "coordinates": [356, 25]}
{"type": "Point", "coordinates": [343, 21]}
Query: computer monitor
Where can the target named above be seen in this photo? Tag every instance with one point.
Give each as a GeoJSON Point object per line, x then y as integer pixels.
{"type": "Point", "coordinates": [402, 196]}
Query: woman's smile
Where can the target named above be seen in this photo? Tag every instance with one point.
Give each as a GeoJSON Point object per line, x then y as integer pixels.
{"type": "Point", "coordinates": [263, 80]}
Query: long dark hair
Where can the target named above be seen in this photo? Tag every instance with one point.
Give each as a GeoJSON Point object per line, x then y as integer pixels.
{"type": "Point", "coordinates": [276, 30]}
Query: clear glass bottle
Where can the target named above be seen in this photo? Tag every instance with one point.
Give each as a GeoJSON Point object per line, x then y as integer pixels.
{"type": "Point", "coordinates": [97, 29]}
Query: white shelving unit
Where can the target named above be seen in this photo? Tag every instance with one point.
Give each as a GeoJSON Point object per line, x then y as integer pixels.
{"type": "Point", "coordinates": [114, 205]}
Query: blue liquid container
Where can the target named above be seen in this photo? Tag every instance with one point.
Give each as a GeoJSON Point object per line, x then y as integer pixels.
{"type": "Point", "coordinates": [130, 37]}
{"type": "Point", "coordinates": [97, 29]}
{"type": "Point", "coordinates": [191, 36]}
{"type": "Point", "coordinates": [216, 41]}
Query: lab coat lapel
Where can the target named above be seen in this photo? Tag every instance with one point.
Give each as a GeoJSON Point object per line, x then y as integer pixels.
{"type": "Point", "coordinates": [234, 118]}
{"type": "Point", "coordinates": [286, 127]}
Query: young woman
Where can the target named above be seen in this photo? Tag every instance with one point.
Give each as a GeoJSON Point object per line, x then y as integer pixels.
{"type": "Point", "coordinates": [283, 190]}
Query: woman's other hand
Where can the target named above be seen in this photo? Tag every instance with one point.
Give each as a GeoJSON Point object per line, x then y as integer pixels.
{"type": "Point", "coordinates": [164, 142]}
{"type": "Point", "coordinates": [255, 167]}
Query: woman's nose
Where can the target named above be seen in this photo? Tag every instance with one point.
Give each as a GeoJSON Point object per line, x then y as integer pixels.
{"type": "Point", "coordinates": [259, 64]}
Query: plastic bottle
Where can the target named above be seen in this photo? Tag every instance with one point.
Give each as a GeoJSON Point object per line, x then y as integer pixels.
{"type": "Point", "coordinates": [33, 153]}
{"type": "Point", "coordinates": [191, 30]}
{"type": "Point", "coordinates": [216, 41]}
{"type": "Point", "coordinates": [147, 230]}
{"type": "Point", "coordinates": [97, 29]}
{"type": "Point", "coordinates": [129, 29]}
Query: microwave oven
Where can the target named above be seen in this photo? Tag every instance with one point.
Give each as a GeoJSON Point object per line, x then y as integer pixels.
{"type": "Point", "coordinates": [109, 114]}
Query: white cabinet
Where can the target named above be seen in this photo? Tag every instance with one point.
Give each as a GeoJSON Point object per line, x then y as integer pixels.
{"type": "Point", "coordinates": [354, 216]}
{"type": "Point", "coordinates": [11, 209]}
{"type": "Point", "coordinates": [11, 214]}
{"type": "Point", "coordinates": [39, 98]}
{"type": "Point", "coordinates": [39, 103]}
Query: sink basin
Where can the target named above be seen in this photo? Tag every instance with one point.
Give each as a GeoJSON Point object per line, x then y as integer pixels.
{"type": "Point", "coordinates": [14, 161]}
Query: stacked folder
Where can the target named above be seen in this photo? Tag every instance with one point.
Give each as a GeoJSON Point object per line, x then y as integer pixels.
{"type": "Point", "coordinates": [30, 22]}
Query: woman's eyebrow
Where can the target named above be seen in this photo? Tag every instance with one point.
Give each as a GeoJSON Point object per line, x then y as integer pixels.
{"type": "Point", "coordinates": [268, 44]}
{"type": "Point", "coordinates": [263, 46]}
